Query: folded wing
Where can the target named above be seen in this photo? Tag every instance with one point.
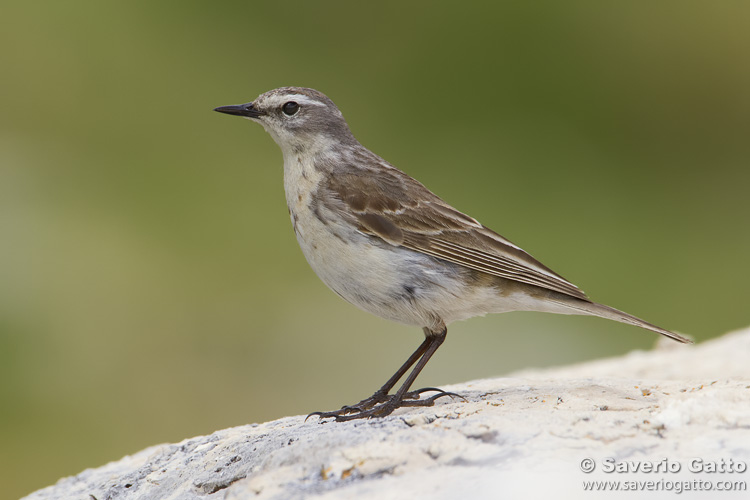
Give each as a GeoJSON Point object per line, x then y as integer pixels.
{"type": "Point", "coordinates": [399, 210]}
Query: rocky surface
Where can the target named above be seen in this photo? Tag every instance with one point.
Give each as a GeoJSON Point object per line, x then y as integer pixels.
{"type": "Point", "coordinates": [529, 434]}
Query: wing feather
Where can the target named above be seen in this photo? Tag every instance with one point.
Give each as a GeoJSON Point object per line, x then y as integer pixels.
{"type": "Point", "coordinates": [388, 204]}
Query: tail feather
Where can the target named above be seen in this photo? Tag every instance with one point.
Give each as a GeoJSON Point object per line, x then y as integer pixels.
{"type": "Point", "coordinates": [594, 309]}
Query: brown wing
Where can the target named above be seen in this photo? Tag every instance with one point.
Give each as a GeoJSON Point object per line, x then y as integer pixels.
{"type": "Point", "coordinates": [396, 208]}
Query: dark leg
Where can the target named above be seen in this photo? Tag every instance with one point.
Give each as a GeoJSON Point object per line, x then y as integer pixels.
{"type": "Point", "coordinates": [381, 404]}
{"type": "Point", "coordinates": [382, 393]}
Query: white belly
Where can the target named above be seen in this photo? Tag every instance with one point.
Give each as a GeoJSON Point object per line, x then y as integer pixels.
{"type": "Point", "coordinates": [387, 281]}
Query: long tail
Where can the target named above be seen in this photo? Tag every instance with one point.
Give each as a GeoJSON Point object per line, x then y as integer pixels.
{"type": "Point", "coordinates": [594, 309]}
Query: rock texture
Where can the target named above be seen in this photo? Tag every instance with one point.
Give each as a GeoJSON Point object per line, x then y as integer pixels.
{"type": "Point", "coordinates": [526, 435]}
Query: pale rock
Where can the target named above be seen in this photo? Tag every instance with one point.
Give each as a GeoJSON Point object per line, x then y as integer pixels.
{"type": "Point", "coordinates": [526, 435]}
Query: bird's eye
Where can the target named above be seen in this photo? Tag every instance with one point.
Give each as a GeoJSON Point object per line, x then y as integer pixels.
{"type": "Point", "coordinates": [290, 108]}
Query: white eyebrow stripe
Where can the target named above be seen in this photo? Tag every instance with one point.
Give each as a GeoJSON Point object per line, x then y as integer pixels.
{"type": "Point", "coordinates": [303, 99]}
{"type": "Point", "coordinates": [298, 98]}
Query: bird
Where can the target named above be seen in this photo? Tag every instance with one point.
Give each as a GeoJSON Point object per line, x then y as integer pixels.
{"type": "Point", "coordinates": [385, 243]}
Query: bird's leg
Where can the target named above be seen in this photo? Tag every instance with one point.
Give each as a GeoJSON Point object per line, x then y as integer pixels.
{"type": "Point", "coordinates": [382, 393]}
{"type": "Point", "coordinates": [381, 404]}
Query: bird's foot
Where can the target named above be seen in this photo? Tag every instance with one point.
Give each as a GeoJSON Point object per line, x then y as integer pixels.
{"type": "Point", "coordinates": [381, 404]}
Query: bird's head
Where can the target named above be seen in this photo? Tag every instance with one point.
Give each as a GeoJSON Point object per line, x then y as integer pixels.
{"type": "Point", "coordinates": [299, 119]}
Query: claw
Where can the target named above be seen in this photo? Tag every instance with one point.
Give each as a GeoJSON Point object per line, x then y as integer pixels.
{"type": "Point", "coordinates": [415, 395]}
{"type": "Point", "coordinates": [316, 413]}
{"type": "Point", "coordinates": [381, 405]}
{"type": "Point", "coordinates": [431, 400]}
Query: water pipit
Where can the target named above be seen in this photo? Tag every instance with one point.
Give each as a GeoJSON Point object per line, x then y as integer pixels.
{"type": "Point", "coordinates": [385, 243]}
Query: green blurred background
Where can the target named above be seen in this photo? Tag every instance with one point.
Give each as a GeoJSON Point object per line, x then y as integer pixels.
{"type": "Point", "coordinates": [151, 288]}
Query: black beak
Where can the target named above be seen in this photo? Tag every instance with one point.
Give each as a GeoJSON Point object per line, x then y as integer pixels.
{"type": "Point", "coordinates": [246, 110]}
